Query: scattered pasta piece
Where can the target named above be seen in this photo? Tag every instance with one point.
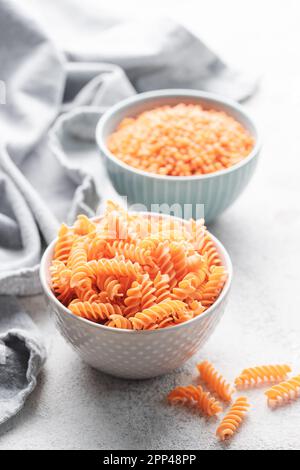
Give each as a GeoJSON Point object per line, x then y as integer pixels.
{"type": "Point", "coordinates": [215, 381]}
{"type": "Point", "coordinates": [193, 395]}
{"type": "Point", "coordinates": [261, 375]}
{"type": "Point", "coordinates": [284, 392]}
{"type": "Point", "coordinates": [132, 271]}
{"type": "Point", "coordinates": [181, 140]}
{"type": "Point", "coordinates": [233, 419]}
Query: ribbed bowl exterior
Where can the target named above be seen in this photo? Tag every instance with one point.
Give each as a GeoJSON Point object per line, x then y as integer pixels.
{"type": "Point", "coordinates": [134, 354]}
{"type": "Point", "coordinates": [215, 192]}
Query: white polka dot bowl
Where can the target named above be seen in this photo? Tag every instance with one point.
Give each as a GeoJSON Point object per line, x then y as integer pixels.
{"type": "Point", "coordinates": [134, 354]}
{"type": "Point", "coordinates": [206, 195]}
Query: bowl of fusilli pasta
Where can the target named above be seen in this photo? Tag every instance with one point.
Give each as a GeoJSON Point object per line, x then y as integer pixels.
{"type": "Point", "coordinates": [136, 294]}
{"type": "Point", "coordinates": [168, 147]}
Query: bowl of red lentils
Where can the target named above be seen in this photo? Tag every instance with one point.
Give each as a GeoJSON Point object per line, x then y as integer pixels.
{"type": "Point", "coordinates": [184, 152]}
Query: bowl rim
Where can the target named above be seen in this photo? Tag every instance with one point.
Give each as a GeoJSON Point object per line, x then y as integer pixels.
{"type": "Point", "coordinates": [50, 295]}
{"type": "Point", "coordinates": [184, 93]}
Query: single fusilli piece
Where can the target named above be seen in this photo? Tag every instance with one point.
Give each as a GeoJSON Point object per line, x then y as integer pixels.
{"type": "Point", "coordinates": [114, 267]}
{"type": "Point", "coordinates": [118, 321]}
{"type": "Point", "coordinates": [186, 288]}
{"type": "Point", "coordinates": [207, 247]}
{"type": "Point", "coordinates": [210, 291]}
{"type": "Point", "coordinates": [181, 316]}
{"type": "Point", "coordinates": [193, 395]}
{"type": "Point", "coordinates": [255, 376]}
{"type": "Point", "coordinates": [140, 296]}
{"type": "Point", "coordinates": [284, 392]}
{"type": "Point", "coordinates": [163, 260]}
{"type": "Point", "coordinates": [179, 259]}
{"type": "Point", "coordinates": [131, 251]}
{"type": "Point", "coordinates": [198, 232]}
{"type": "Point", "coordinates": [133, 299]}
{"type": "Point", "coordinates": [162, 287]}
{"type": "Point", "coordinates": [195, 262]}
{"type": "Point", "coordinates": [196, 307]}
{"type": "Point", "coordinates": [142, 320]}
{"type": "Point", "coordinates": [233, 419]}
{"type": "Point", "coordinates": [110, 285]}
{"type": "Point", "coordinates": [64, 244]}
{"type": "Point", "coordinates": [84, 225]}
{"type": "Point", "coordinates": [96, 247]}
{"type": "Point", "coordinates": [61, 278]}
{"type": "Point", "coordinates": [112, 206]}
{"type": "Point", "coordinates": [148, 291]}
{"type": "Point", "coordinates": [78, 264]}
{"type": "Point", "coordinates": [94, 311]}
{"type": "Point", "coordinates": [87, 294]}
{"type": "Point", "coordinates": [215, 381]}
{"type": "Point", "coordinates": [169, 321]}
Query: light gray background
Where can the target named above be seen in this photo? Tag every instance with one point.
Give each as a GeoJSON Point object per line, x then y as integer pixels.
{"type": "Point", "coordinates": [75, 407]}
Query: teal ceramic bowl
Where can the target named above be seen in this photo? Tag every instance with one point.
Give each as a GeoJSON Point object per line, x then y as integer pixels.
{"type": "Point", "coordinates": [188, 196]}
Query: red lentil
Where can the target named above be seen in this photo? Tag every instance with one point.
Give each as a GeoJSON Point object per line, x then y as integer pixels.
{"type": "Point", "coordinates": [181, 140]}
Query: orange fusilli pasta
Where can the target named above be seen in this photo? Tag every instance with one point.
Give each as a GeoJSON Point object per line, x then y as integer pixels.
{"type": "Point", "coordinates": [96, 247]}
{"type": "Point", "coordinates": [77, 263]}
{"type": "Point", "coordinates": [196, 307]}
{"type": "Point", "coordinates": [61, 277]}
{"type": "Point", "coordinates": [207, 247]}
{"type": "Point", "coordinates": [114, 267]}
{"type": "Point", "coordinates": [215, 381]}
{"type": "Point", "coordinates": [148, 291]}
{"type": "Point", "coordinates": [118, 321]}
{"type": "Point", "coordinates": [66, 238]}
{"type": "Point", "coordinates": [133, 299]}
{"type": "Point", "coordinates": [131, 251]}
{"type": "Point", "coordinates": [193, 395]}
{"type": "Point", "coordinates": [155, 314]}
{"type": "Point", "coordinates": [210, 291]}
{"type": "Point", "coordinates": [233, 419]}
{"type": "Point", "coordinates": [88, 294]}
{"type": "Point", "coordinates": [162, 287]}
{"type": "Point", "coordinates": [83, 225]}
{"type": "Point", "coordinates": [152, 271]}
{"type": "Point", "coordinates": [187, 287]}
{"type": "Point", "coordinates": [179, 259]}
{"type": "Point", "coordinates": [255, 376]}
{"type": "Point", "coordinates": [111, 286]}
{"type": "Point", "coordinates": [95, 311]}
{"type": "Point", "coordinates": [163, 259]}
{"type": "Point", "coordinates": [194, 262]}
{"type": "Point", "coordinates": [284, 392]}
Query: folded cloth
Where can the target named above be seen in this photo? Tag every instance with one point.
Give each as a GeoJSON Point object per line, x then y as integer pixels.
{"type": "Point", "coordinates": [49, 166]}
{"type": "Point", "coordinates": [21, 357]}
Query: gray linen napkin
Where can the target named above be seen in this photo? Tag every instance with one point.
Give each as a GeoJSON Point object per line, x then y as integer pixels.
{"type": "Point", "coordinates": [21, 357]}
{"type": "Point", "coordinates": [50, 169]}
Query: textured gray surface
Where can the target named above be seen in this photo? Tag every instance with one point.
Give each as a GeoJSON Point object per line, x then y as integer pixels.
{"type": "Point", "coordinates": [76, 407]}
